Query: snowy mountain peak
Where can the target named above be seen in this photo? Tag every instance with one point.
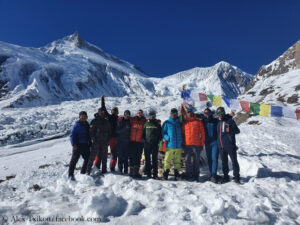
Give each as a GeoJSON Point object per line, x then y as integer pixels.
{"type": "Point", "coordinates": [288, 61]}
{"type": "Point", "coordinates": [278, 82]}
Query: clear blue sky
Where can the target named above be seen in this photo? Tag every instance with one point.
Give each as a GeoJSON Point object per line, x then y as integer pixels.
{"type": "Point", "coordinates": [162, 37]}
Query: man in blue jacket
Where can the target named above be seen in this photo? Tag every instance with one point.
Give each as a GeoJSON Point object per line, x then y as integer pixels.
{"type": "Point", "coordinates": [211, 145]}
{"type": "Point", "coordinates": [227, 129]}
{"type": "Point", "coordinates": [171, 133]}
{"type": "Point", "coordinates": [80, 140]}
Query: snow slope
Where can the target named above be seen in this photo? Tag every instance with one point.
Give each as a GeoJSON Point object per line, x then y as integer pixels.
{"type": "Point", "coordinates": [269, 157]}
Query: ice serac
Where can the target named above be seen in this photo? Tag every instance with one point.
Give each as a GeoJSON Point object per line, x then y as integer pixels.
{"type": "Point", "coordinates": [279, 81]}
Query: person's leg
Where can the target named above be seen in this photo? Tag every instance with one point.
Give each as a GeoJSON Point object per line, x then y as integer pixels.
{"type": "Point", "coordinates": [214, 158]}
{"type": "Point", "coordinates": [188, 155]}
{"type": "Point", "coordinates": [85, 152]}
{"type": "Point", "coordinates": [225, 168]}
{"type": "Point", "coordinates": [147, 152]}
{"type": "Point", "coordinates": [132, 157]}
{"type": "Point", "coordinates": [114, 153]}
{"type": "Point", "coordinates": [94, 151]}
{"type": "Point", "coordinates": [177, 159]}
{"type": "Point", "coordinates": [235, 164]}
{"type": "Point", "coordinates": [208, 149]}
{"type": "Point", "coordinates": [168, 158]}
{"type": "Point", "coordinates": [125, 157]}
{"type": "Point", "coordinates": [196, 163]}
{"type": "Point", "coordinates": [104, 150]}
{"type": "Point", "coordinates": [120, 156]}
{"type": "Point", "coordinates": [73, 162]}
{"type": "Point", "coordinates": [97, 161]}
{"type": "Point", "coordinates": [154, 160]}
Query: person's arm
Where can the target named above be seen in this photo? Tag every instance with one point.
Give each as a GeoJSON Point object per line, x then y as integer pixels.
{"type": "Point", "coordinates": [92, 131]}
{"type": "Point", "coordinates": [73, 137]}
{"type": "Point", "coordinates": [236, 130]}
{"type": "Point", "coordinates": [103, 106]}
{"type": "Point", "coordinates": [159, 132]}
{"type": "Point", "coordinates": [144, 132]}
{"type": "Point", "coordinates": [202, 131]}
{"type": "Point", "coordinates": [109, 131]}
{"type": "Point", "coordinates": [165, 132]}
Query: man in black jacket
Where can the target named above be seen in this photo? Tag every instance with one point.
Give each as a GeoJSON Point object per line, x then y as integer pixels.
{"type": "Point", "coordinates": [113, 120]}
{"type": "Point", "coordinates": [100, 132]}
{"type": "Point", "coordinates": [123, 133]}
{"type": "Point", "coordinates": [227, 129]}
{"type": "Point", "coordinates": [152, 136]}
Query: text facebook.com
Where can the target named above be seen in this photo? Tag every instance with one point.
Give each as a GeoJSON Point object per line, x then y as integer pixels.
{"type": "Point", "coordinates": [54, 219]}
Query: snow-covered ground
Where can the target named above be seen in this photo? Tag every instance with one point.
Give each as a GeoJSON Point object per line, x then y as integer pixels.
{"type": "Point", "coordinates": [269, 157]}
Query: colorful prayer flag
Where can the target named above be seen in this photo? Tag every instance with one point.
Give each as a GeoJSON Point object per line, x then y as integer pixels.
{"type": "Point", "coordinates": [288, 112]}
{"type": "Point", "coordinates": [276, 111]}
{"type": "Point", "coordinates": [211, 97]}
{"type": "Point", "coordinates": [298, 114]}
{"type": "Point", "coordinates": [265, 110]}
{"type": "Point", "coordinates": [255, 108]}
{"type": "Point", "coordinates": [235, 104]}
{"type": "Point", "coordinates": [227, 101]}
{"type": "Point", "coordinates": [217, 101]}
{"type": "Point", "coordinates": [203, 97]}
{"type": "Point", "coordinates": [245, 106]}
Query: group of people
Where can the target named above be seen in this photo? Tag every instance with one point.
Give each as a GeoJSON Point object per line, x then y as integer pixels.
{"type": "Point", "coordinates": [129, 136]}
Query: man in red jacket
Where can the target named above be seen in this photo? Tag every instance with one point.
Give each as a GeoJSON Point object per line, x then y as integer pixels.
{"type": "Point", "coordinates": [136, 143]}
{"type": "Point", "coordinates": [193, 140]}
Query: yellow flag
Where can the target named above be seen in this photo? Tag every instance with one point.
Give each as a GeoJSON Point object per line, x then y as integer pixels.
{"type": "Point", "coordinates": [265, 110]}
{"type": "Point", "coordinates": [217, 101]}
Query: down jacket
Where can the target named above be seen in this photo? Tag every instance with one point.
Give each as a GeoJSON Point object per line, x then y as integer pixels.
{"type": "Point", "coordinates": [193, 132]}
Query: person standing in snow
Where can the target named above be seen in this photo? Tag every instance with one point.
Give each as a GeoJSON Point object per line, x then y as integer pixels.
{"type": "Point", "coordinates": [123, 134]}
{"type": "Point", "coordinates": [152, 136]}
{"type": "Point", "coordinates": [80, 140]}
{"type": "Point", "coordinates": [100, 131]}
{"type": "Point", "coordinates": [136, 143]}
{"type": "Point", "coordinates": [171, 133]}
{"type": "Point", "coordinates": [211, 145]}
{"type": "Point", "coordinates": [193, 141]}
{"type": "Point", "coordinates": [227, 129]}
{"type": "Point", "coordinates": [113, 120]}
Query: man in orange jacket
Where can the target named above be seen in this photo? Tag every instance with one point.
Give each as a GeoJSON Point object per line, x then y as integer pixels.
{"type": "Point", "coordinates": [193, 141]}
{"type": "Point", "coordinates": [136, 143]}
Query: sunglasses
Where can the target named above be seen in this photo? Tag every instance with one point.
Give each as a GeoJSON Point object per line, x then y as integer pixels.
{"type": "Point", "coordinates": [174, 113]}
{"type": "Point", "coordinates": [207, 113]}
{"type": "Point", "coordinates": [152, 114]}
{"type": "Point", "coordinates": [220, 113]}
{"type": "Point", "coordinates": [127, 115]}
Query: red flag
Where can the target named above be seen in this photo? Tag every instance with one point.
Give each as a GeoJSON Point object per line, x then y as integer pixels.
{"type": "Point", "coordinates": [203, 97]}
{"type": "Point", "coordinates": [298, 114]}
{"type": "Point", "coordinates": [245, 106]}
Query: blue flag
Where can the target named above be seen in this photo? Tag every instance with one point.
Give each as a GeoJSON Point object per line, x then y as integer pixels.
{"type": "Point", "coordinates": [276, 111]}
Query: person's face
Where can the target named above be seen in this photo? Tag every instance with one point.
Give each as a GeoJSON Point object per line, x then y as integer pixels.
{"type": "Point", "coordinates": [140, 113]}
{"type": "Point", "coordinates": [190, 114]}
{"type": "Point", "coordinates": [83, 118]}
{"type": "Point", "coordinates": [127, 116]}
{"type": "Point", "coordinates": [114, 112]}
{"type": "Point", "coordinates": [220, 114]}
{"type": "Point", "coordinates": [152, 117]}
{"type": "Point", "coordinates": [101, 113]}
{"type": "Point", "coordinates": [207, 114]}
{"type": "Point", "coordinates": [174, 115]}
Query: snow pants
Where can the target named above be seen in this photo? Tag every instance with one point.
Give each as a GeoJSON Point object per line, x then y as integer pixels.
{"type": "Point", "coordinates": [212, 154]}
{"type": "Point", "coordinates": [82, 150]}
{"type": "Point", "coordinates": [169, 155]}
{"type": "Point", "coordinates": [135, 153]}
{"type": "Point", "coordinates": [235, 165]}
{"type": "Point", "coordinates": [192, 168]}
{"type": "Point", "coordinates": [98, 149]}
{"type": "Point", "coordinates": [123, 156]}
{"type": "Point", "coordinates": [151, 151]}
